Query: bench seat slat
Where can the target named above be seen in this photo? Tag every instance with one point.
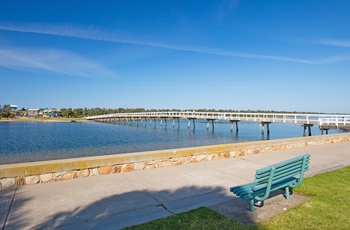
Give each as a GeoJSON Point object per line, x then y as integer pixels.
{"type": "Point", "coordinates": [282, 176]}
{"type": "Point", "coordinates": [287, 172]}
{"type": "Point", "coordinates": [267, 170]}
{"type": "Point", "coordinates": [287, 162]}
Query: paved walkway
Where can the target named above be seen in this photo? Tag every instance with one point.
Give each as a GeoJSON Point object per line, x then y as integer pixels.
{"type": "Point", "coordinates": [119, 200]}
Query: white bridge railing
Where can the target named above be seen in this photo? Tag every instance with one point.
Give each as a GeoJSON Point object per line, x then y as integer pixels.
{"type": "Point", "coordinates": [320, 119]}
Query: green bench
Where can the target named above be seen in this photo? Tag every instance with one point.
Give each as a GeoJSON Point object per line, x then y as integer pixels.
{"type": "Point", "coordinates": [285, 175]}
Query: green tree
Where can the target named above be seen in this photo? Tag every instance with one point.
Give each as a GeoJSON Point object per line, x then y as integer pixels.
{"type": "Point", "coordinates": [5, 111]}
{"type": "Point", "coordinates": [78, 113]}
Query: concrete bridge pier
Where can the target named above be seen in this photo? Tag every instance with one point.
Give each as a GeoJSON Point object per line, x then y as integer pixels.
{"type": "Point", "coordinates": [178, 122]}
{"type": "Point", "coordinates": [309, 128]}
{"type": "Point", "coordinates": [189, 123]}
{"type": "Point", "coordinates": [263, 123]}
{"type": "Point", "coordinates": [234, 121]}
{"type": "Point", "coordinates": [325, 130]}
{"type": "Point", "coordinates": [212, 124]}
{"type": "Point", "coordinates": [165, 121]}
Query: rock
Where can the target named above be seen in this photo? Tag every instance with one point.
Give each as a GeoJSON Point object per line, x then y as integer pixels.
{"type": "Point", "coordinates": [213, 157]}
{"type": "Point", "coordinates": [46, 177]}
{"type": "Point", "coordinates": [83, 173]}
{"type": "Point", "coordinates": [150, 167]}
{"type": "Point", "coordinates": [166, 163]}
{"type": "Point", "coordinates": [201, 157]}
{"type": "Point", "coordinates": [20, 181]}
{"type": "Point", "coordinates": [240, 153]}
{"type": "Point", "coordinates": [253, 151]}
{"type": "Point", "coordinates": [105, 170]}
{"type": "Point", "coordinates": [117, 169]}
{"type": "Point", "coordinates": [8, 182]}
{"type": "Point", "coordinates": [95, 172]}
{"type": "Point", "coordinates": [193, 160]}
{"type": "Point", "coordinates": [127, 168]}
{"type": "Point", "coordinates": [69, 176]}
{"type": "Point", "coordinates": [139, 166]}
{"type": "Point", "coordinates": [32, 179]}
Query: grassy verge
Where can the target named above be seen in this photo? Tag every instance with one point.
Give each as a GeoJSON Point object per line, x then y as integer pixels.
{"type": "Point", "coordinates": [328, 209]}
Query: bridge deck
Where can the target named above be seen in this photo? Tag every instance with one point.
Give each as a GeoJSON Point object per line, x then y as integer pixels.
{"type": "Point", "coordinates": [323, 120]}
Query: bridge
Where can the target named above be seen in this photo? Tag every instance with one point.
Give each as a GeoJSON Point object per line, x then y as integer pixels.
{"type": "Point", "coordinates": [324, 121]}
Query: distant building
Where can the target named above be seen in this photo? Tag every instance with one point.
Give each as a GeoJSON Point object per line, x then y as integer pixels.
{"type": "Point", "coordinates": [13, 107]}
{"type": "Point", "coordinates": [33, 112]}
{"type": "Point", "coordinates": [50, 112]}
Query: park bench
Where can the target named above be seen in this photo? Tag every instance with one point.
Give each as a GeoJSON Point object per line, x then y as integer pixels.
{"type": "Point", "coordinates": [285, 175]}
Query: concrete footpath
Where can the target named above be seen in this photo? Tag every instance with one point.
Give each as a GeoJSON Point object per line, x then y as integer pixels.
{"type": "Point", "coordinates": [119, 200]}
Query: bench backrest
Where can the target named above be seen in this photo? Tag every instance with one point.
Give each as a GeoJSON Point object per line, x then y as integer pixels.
{"type": "Point", "coordinates": [282, 171]}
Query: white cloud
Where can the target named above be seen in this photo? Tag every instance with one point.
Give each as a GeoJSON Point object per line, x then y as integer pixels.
{"type": "Point", "coordinates": [52, 60]}
{"type": "Point", "coordinates": [93, 33]}
{"type": "Point", "coordinates": [340, 43]}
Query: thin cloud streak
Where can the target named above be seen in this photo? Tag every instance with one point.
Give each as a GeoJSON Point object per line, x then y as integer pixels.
{"type": "Point", "coordinates": [339, 43]}
{"type": "Point", "coordinates": [93, 33]}
{"type": "Point", "coordinates": [52, 60]}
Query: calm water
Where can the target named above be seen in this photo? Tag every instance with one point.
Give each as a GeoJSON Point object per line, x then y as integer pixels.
{"type": "Point", "coordinates": [25, 142]}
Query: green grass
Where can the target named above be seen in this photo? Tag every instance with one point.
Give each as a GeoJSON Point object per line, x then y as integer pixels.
{"type": "Point", "coordinates": [329, 208]}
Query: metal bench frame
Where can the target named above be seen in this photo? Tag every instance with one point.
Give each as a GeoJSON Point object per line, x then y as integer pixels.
{"type": "Point", "coordinates": [285, 175]}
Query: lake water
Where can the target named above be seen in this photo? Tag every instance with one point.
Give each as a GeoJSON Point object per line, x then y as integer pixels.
{"type": "Point", "coordinates": [32, 141]}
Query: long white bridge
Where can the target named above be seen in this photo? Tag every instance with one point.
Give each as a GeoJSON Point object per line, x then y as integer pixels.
{"type": "Point", "coordinates": [324, 121]}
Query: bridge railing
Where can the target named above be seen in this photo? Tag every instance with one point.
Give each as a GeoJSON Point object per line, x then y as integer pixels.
{"type": "Point", "coordinates": [258, 117]}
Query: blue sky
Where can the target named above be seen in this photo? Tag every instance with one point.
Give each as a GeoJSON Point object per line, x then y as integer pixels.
{"type": "Point", "coordinates": [230, 54]}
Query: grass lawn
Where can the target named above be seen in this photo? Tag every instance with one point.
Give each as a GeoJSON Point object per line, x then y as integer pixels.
{"type": "Point", "coordinates": [329, 208]}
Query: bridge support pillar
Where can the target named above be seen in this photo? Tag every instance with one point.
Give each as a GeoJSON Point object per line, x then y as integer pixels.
{"type": "Point", "coordinates": [234, 121]}
{"type": "Point", "coordinates": [325, 130]}
{"type": "Point", "coordinates": [189, 123]}
{"type": "Point", "coordinates": [263, 123]}
{"type": "Point", "coordinates": [309, 128]}
{"type": "Point", "coordinates": [178, 121]}
{"type": "Point", "coordinates": [212, 123]}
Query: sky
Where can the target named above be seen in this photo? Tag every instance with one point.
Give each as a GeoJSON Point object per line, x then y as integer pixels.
{"type": "Point", "coordinates": [162, 54]}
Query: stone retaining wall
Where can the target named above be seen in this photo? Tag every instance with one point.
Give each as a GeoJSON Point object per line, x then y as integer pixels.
{"type": "Point", "coordinates": [56, 170]}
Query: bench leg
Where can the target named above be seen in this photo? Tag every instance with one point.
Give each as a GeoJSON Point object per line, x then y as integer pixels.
{"type": "Point", "coordinates": [287, 193]}
{"type": "Point", "coordinates": [252, 206]}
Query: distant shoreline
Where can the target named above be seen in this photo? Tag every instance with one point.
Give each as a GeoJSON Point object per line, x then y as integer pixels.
{"type": "Point", "coordinates": [44, 120]}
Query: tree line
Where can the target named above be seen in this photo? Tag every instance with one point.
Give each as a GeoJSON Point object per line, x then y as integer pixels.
{"type": "Point", "coordinates": [6, 112]}
{"type": "Point", "coordinates": [80, 112]}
